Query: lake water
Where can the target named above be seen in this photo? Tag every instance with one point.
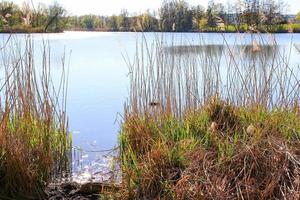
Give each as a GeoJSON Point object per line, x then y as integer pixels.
{"type": "Point", "coordinates": [98, 83]}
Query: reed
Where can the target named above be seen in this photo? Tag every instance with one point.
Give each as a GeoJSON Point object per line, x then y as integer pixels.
{"type": "Point", "coordinates": [211, 122]}
{"type": "Point", "coordinates": [34, 137]}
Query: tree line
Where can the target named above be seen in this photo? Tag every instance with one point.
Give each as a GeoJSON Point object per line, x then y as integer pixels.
{"type": "Point", "coordinates": [28, 18]}
{"type": "Point", "coordinates": [173, 15]}
{"type": "Point", "coordinates": [179, 16]}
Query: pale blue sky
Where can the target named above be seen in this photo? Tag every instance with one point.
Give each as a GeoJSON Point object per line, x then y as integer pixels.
{"type": "Point", "coordinates": [108, 7]}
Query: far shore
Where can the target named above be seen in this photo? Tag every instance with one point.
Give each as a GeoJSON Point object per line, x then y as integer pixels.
{"type": "Point", "coordinates": [132, 31]}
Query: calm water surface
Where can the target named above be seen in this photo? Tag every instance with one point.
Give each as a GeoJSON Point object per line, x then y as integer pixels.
{"type": "Point", "coordinates": [99, 85]}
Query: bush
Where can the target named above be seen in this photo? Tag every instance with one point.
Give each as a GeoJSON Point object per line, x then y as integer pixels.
{"type": "Point", "coordinates": [296, 28]}
{"type": "Point", "coordinates": [22, 29]}
{"type": "Point", "coordinates": [230, 28]}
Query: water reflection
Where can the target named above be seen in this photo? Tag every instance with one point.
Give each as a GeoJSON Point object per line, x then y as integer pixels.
{"type": "Point", "coordinates": [209, 50]}
{"type": "Point", "coordinates": [250, 51]}
{"type": "Point", "coordinates": [297, 47]}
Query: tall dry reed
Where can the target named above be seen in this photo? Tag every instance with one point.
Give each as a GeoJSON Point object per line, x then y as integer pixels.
{"type": "Point", "coordinates": [34, 137]}
{"type": "Point", "coordinates": [211, 121]}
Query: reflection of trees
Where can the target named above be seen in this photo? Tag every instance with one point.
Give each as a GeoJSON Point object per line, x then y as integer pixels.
{"type": "Point", "coordinates": [215, 51]}
{"type": "Point", "coordinates": [208, 50]}
{"type": "Point", "coordinates": [261, 51]}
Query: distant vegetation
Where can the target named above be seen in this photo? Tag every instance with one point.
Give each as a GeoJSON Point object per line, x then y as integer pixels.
{"type": "Point", "coordinates": [27, 19]}
{"type": "Point", "coordinates": [174, 15]}
{"type": "Point", "coordinates": [298, 17]}
{"type": "Point", "coordinates": [179, 16]}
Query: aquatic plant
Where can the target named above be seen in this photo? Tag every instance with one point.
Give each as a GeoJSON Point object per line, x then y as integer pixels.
{"type": "Point", "coordinates": [225, 125]}
{"type": "Point", "coordinates": [34, 137]}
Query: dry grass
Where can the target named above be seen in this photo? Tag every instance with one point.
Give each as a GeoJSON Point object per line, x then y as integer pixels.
{"type": "Point", "coordinates": [34, 139]}
{"type": "Point", "coordinates": [220, 123]}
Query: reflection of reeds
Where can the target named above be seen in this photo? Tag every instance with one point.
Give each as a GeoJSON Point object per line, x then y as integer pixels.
{"type": "Point", "coordinates": [218, 127]}
{"type": "Point", "coordinates": [34, 141]}
{"type": "Point", "coordinates": [174, 78]}
{"type": "Point", "coordinates": [297, 48]}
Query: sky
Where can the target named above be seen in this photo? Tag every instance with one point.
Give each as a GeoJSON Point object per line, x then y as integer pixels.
{"type": "Point", "coordinates": [109, 7]}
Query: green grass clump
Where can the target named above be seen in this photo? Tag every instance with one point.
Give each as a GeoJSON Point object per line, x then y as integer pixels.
{"type": "Point", "coordinates": [34, 138]}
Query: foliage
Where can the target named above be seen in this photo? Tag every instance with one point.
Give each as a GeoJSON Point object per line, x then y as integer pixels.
{"type": "Point", "coordinates": [179, 16]}
{"type": "Point", "coordinates": [173, 15]}
{"type": "Point", "coordinates": [34, 138]}
{"type": "Point", "coordinates": [56, 18]}
{"type": "Point", "coordinates": [195, 128]}
{"type": "Point", "coordinates": [296, 28]}
{"type": "Point", "coordinates": [176, 16]}
{"type": "Point", "coordinates": [176, 159]}
{"type": "Point", "coordinates": [149, 22]}
{"type": "Point", "coordinates": [298, 17]}
{"type": "Point", "coordinates": [214, 14]}
{"type": "Point", "coordinates": [24, 19]}
{"type": "Point", "coordinates": [90, 22]}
